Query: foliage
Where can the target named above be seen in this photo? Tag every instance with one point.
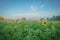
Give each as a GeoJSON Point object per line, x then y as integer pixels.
{"type": "Point", "coordinates": [30, 31]}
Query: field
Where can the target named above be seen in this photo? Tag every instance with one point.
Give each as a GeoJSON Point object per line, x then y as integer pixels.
{"type": "Point", "coordinates": [30, 30]}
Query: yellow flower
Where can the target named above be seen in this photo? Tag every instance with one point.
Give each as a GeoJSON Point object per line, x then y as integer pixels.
{"type": "Point", "coordinates": [52, 27]}
{"type": "Point", "coordinates": [44, 23]}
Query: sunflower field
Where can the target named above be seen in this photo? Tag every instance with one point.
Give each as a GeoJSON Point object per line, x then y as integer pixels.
{"type": "Point", "coordinates": [30, 30]}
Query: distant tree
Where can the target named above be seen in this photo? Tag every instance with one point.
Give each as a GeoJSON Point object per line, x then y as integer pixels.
{"type": "Point", "coordinates": [1, 18]}
{"type": "Point", "coordinates": [17, 20]}
{"type": "Point", "coordinates": [23, 19]}
{"type": "Point", "coordinates": [42, 19]}
{"type": "Point", "coordinates": [48, 19]}
{"type": "Point", "coordinates": [52, 18]}
{"type": "Point", "coordinates": [58, 18]}
{"type": "Point", "coordinates": [55, 18]}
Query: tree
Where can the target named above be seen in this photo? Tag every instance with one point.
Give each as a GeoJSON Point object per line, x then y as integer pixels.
{"type": "Point", "coordinates": [55, 18]}
{"type": "Point", "coordinates": [48, 19]}
{"type": "Point", "coordinates": [42, 19]}
{"type": "Point", "coordinates": [1, 18]}
{"type": "Point", "coordinates": [58, 18]}
{"type": "Point", "coordinates": [23, 19]}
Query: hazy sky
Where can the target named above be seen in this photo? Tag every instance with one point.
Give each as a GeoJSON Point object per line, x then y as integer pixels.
{"type": "Point", "coordinates": [29, 8]}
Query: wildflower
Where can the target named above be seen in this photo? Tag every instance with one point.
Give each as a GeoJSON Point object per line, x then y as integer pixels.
{"type": "Point", "coordinates": [44, 23]}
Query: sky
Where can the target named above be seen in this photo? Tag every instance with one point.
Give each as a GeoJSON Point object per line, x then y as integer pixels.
{"type": "Point", "coordinates": [29, 8]}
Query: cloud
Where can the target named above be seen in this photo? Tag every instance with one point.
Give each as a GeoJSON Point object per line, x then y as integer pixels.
{"type": "Point", "coordinates": [43, 5]}
{"type": "Point", "coordinates": [33, 7]}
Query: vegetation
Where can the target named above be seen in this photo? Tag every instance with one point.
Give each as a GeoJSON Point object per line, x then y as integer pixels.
{"type": "Point", "coordinates": [54, 18]}
{"type": "Point", "coordinates": [30, 30]}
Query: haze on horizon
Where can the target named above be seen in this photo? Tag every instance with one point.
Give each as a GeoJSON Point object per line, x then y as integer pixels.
{"type": "Point", "coordinates": [29, 8]}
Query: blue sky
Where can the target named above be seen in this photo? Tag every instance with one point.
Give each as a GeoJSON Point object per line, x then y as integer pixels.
{"type": "Point", "coordinates": [29, 8]}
